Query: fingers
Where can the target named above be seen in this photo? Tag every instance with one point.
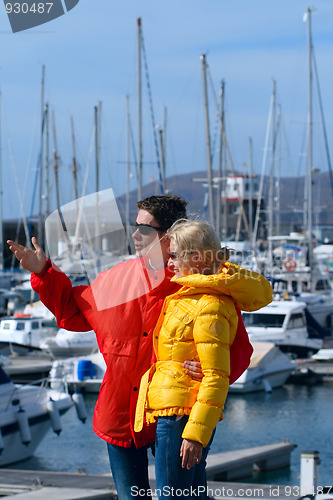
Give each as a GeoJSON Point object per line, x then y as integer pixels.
{"type": "Point", "coordinates": [35, 243]}
{"type": "Point", "coordinates": [191, 453]}
{"type": "Point", "coordinates": [193, 366]}
{"type": "Point", "coordinates": [193, 369]}
{"type": "Point", "coordinates": [14, 247]}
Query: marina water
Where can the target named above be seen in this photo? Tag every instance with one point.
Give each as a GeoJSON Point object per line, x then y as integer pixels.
{"type": "Point", "coordinates": [301, 414]}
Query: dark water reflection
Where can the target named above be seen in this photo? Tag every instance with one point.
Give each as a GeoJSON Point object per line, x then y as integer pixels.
{"type": "Point", "coordinates": [303, 415]}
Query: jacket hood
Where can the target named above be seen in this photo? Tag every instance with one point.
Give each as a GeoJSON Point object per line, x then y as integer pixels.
{"type": "Point", "coordinates": [249, 290]}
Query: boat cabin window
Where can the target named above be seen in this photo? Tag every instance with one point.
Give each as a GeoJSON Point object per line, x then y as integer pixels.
{"type": "Point", "coordinates": [34, 325]}
{"type": "Point", "coordinates": [297, 320]}
{"type": "Point", "coordinates": [49, 322]}
{"type": "Point", "coordinates": [322, 285]}
{"type": "Point", "coordinates": [20, 325]}
{"type": "Point", "coordinates": [264, 320]}
{"type": "Point", "coordinates": [6, 326]}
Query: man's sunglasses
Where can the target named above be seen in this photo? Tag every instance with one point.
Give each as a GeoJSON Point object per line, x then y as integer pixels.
{"type": "Point", "coordinates": [146, 229]}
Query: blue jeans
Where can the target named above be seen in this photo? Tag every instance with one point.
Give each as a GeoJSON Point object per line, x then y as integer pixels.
{"type": "Point", "coordinates": [168, 468]}
{"type": "Point", "coordinates": [129, 467]}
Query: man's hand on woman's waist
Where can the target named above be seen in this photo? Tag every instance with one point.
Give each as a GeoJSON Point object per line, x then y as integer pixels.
{"type": "Point", "coordinates": [193, 369]}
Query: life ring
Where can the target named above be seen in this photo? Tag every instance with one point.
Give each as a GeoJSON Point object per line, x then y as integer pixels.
{"type": "Point", "coordinates": [289, 264]}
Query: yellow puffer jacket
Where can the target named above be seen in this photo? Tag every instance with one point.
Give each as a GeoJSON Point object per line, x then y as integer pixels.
{"type": "Point", "coordinates": [198, 322]}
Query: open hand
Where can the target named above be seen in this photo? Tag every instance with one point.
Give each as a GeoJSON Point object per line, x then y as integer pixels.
{"type": "Point", "coordinates": [32, 260]}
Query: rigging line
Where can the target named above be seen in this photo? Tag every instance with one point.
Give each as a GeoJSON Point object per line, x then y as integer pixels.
{"type": "Point", "coordinates": [323, 119]}
{"type": "Point", "coordinates": [232, 166]}
{"type": "Point", "coordinates": [17, 183]}
{"type": "Point", "coordinates": [217, 122]}
{"type": "Point", "coordinates": [135, 159]}
{"type": "Point", "coordinates": [216, 131]}
{"type": "Point", "coordinates": [18, 227]}
{"type": "Point", "coordinates": [36, 180]}
{"type": "Point", "coordinates": [263, 165]}
{"type": "Point", "coordinates": [81, 206]}
{"type": "Point", "coordinates": [150, 97]}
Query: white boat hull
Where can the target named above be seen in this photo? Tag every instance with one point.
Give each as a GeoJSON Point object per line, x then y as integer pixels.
{"type": "Point", "coordinates": [269, 368]}
{"type": "Point", "coordinates": [258, 383]}
{"type": "Point", "coordinates": [27, 413]}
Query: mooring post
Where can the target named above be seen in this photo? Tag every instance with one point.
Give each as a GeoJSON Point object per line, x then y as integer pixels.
{"type": "Point", "coordinates": [309, 472]}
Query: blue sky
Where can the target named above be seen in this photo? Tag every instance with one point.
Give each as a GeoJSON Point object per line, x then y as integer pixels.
{"type": "Point", "coordinates": [90, 56]}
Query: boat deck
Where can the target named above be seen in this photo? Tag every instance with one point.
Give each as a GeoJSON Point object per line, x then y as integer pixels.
{"type": "Point", "coordinates": [29, 368]}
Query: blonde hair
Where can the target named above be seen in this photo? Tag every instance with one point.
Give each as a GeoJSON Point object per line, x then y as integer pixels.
{"type": "Point", "coordinates": [198, 236]}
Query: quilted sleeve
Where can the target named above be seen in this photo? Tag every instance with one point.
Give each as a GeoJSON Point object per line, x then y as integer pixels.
{"type": "Point", "coordinates": [211, 333]}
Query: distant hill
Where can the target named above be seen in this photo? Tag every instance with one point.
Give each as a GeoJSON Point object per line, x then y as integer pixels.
{"type": "Point", "coordinates": [291, 199]}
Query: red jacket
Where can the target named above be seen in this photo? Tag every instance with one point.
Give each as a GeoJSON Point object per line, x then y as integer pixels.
{"type": "Point", "coordinates": [122, 306]}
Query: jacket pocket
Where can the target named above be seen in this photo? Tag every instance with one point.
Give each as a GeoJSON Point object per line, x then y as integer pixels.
{"type": "Point", "coordinates": [118, 347]}
{"type": "Point", "coordinates": [180, 324]}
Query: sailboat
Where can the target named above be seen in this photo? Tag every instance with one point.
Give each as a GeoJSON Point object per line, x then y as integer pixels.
{"type": "Point", "coordinates": [302, 313]}
{"type": "Point", "coordinates": [301, 274]}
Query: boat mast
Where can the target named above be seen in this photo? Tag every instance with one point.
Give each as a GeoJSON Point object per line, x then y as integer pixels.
{"type": "Point", "coordinates": [128, 166]}
{"type": "Point", "coordinates": [1, 194]}
{"type": "Point", "coordinates": [271, 181]}
{"type": "Point", "coordinates": [310, 153]}
{"type": "Point", "coordinates": [40, 215]}
{"type": "Point", "coordinates": [278, 177]}
{"type": "Point", "coordinates": [47, 163]}
{"type": "Point", "coordinates": [220, 180]}
{"type": "Point", "coordinates": [55, 162]}
{"type": "Point", "coordinates": [139, 109]}
{"type": "Point", "coordinates": [250, 160]}
{"type": "Point", "coordinates": [97, 114]}
{"type": "Point", "coordinates": [208, 145]}
{"type": "Point", "coordinates": [74, 164]}
{"type": "Point", "coordinates": [162, 138]}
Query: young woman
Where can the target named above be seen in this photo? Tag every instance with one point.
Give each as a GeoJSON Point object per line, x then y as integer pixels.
{"type": "Point", "coordinates": [198, 322]}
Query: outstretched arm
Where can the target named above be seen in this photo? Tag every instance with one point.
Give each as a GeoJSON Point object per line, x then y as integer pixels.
{"type": "Point", "coordinates": [32, 260]}
{"type": "Point", "coordinates": [54, 287]}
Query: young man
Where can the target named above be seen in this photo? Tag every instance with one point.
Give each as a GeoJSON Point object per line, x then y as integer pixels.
{"type": "Point", "coordinates": [122, 306]}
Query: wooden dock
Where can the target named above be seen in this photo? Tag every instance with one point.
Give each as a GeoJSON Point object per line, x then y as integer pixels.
{"type": "Point", "coordinates": [41, 485]}
{"type": "Point", "coordinates": [237, 464]}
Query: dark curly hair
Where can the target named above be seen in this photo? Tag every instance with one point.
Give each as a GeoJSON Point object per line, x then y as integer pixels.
{"type": "Point", "coordinates": [165, 208]}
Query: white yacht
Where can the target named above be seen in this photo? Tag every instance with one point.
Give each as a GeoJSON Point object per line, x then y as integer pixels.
{"type": "Point", "coordinates": [67, 344]}
{"type": "Point", "coordinates": [22, 333]}
{"type": "Point", "coordinates": [83, 373]}
{"type": "Point", "coordinates": [284, 322]}
{"type": "Point", "coordinates": [27, 413]}
{"type": "Point", "coordinates": [269, 369]}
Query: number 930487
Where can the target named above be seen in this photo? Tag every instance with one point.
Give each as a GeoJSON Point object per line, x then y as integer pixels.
{"type": "Point", "coordinates": [25, 8]}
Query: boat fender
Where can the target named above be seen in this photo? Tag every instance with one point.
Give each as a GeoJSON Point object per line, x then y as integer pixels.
{"type": "Point", "coordinates": [289, 264]}
{"type": "Point", "coordinates": [23, 424]}
{"type": "Point", "coordinates": [267, 385]}
{"type": "Point", "coordinates": [54, 415]}
{"type": "Point", "coordinates": [57, 376]}
{"type": "Point", "coordinates": [2, 445]}
{"type": "Point", "coordinates": [80, 406]}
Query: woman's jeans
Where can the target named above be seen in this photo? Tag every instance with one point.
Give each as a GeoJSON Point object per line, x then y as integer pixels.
{"type": "Point", "coordinates": [129, 467]}
{"type": "Point", "coordinates": [171, 479]}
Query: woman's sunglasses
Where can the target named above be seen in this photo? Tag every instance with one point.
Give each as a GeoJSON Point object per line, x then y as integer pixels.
{"type": "Point", "coordinates": [146, 229]}
{"type": "Point", "coordinates": [177, 256]}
